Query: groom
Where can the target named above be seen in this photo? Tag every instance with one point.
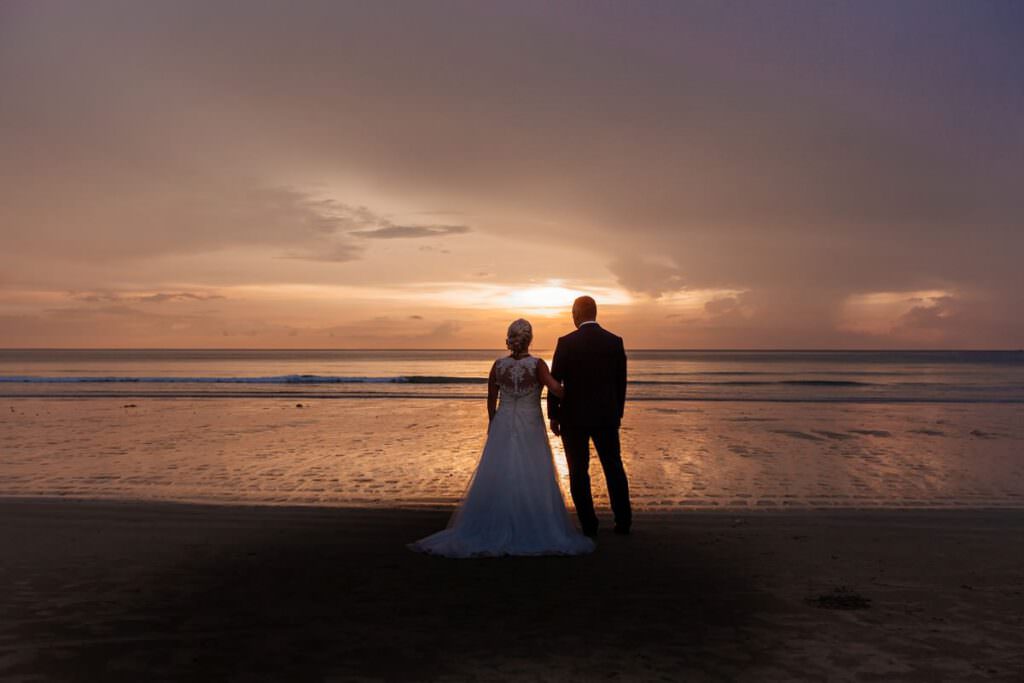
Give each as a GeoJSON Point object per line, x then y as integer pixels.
{"type": "Point", "coordinates": [591, 364]}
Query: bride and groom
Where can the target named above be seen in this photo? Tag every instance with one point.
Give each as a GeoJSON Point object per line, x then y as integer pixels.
{"type": "Point", "coordinates": [513, 504]}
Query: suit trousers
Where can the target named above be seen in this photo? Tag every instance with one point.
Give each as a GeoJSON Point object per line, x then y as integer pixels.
{"type": "Point", "coordinates": [576, 442]}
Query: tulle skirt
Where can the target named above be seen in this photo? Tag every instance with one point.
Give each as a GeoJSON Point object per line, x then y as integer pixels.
{"type": "Point", "coordinates": [513, 504]}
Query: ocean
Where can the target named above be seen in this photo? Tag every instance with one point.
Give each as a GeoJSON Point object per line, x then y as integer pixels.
{"type": "Point", "coordinates": [745, 376]}
{"type": "Point", "coordinates": [703, 429]}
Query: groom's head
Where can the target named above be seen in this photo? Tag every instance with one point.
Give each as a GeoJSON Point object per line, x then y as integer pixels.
{"type": "Point", "coordinates": [583, 310]}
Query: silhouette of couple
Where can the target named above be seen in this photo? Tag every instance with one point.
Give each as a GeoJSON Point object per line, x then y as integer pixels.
{"type": "Point", "coordinates": [513, 504]}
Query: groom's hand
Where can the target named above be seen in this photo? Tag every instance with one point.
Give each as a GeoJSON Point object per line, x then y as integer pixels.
{"type": "Point", "coordinates": [556, 428]}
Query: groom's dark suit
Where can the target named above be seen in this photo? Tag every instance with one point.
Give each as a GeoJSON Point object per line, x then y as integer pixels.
{"type": "Point", "coordinates": [591, 364]}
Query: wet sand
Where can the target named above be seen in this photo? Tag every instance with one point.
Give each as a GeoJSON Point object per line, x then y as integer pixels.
{"type": "Point", "coordinates": [107, 591]}
{"type": "Point", "coordinates": [416, 453]}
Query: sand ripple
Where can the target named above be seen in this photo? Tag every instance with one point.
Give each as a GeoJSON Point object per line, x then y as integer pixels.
{"type": "Point", "coordinates": [417, 453]}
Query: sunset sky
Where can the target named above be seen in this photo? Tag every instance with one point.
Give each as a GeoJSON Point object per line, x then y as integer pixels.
{"type": "Point", "coordinates": [417, 174]}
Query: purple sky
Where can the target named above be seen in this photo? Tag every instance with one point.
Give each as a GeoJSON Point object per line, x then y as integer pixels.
{"type": "Point", "coordinates": [315, 174]}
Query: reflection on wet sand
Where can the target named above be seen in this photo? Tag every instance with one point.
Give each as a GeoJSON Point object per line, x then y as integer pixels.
{"type": "Point", "coordinates": [420, 453]}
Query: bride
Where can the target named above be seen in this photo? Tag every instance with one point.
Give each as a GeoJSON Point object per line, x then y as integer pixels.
{"type": "Point", "coordinates": [513, 504]}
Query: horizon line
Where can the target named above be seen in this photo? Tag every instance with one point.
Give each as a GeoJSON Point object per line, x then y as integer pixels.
{"type": "Point", "coordinates": [458, 348]}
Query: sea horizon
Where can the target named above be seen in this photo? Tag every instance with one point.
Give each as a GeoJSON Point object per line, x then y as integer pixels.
{"type": "Point", "coordinates": [709, 349]}
{"type": "Point", "coordinates": [654, 375]}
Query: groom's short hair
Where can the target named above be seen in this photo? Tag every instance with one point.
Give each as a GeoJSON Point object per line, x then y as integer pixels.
{"type": "Point", "coordinates": [585, 307]}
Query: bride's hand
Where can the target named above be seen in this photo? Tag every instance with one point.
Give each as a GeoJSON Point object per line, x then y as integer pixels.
{"type": "Point", "coordinates": [545, 378]}
{"type": "Point", "coordinates": [558, 390]}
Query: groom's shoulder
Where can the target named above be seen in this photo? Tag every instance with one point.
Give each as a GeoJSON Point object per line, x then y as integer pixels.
{"type": "Point", "coordinates": [569, 337]}
{"type": "Point", "coordinates": [588, 338]}
{"type": "Point", "coordinates": [611, 335]}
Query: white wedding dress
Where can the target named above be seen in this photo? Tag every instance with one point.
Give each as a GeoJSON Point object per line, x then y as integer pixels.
{"type": "Point", "coordinates": [513, 504]}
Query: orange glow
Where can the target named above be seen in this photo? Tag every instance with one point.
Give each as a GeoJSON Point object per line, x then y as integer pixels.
{"type": "Point", "coordinates": [880, 312]}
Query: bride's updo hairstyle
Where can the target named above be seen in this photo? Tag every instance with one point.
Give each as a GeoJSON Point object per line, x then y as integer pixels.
{"type": "Point", "coordinates": [520, 334]}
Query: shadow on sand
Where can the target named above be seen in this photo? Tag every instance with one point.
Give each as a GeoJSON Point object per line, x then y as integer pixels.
{"type": "Point", "coordinates": [193, 592]}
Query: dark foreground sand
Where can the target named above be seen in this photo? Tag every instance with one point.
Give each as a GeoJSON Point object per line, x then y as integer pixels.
{"type": "Point", "coordinates": [100, 591]}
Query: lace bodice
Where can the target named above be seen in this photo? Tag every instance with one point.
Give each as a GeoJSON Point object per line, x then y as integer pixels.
{"type": "Point", "coordinates": [516, 377]}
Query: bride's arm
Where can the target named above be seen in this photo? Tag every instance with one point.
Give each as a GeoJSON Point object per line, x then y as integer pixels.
{"type": "Point", "coordinates": [492, 395]}
{"type": "Point", "coordinates": [545, 378]}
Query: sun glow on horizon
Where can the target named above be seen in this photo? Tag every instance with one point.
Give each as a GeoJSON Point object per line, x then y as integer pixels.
{"type": "Point", "coordinates": [555, 298]}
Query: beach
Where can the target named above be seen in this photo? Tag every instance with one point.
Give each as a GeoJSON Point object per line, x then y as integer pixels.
{"type": "Point", "coordinates": [414, 452]}
{"type": "Point", "coordinates": [229, 516]}
{"type": "Point", "coordinates": [112, 591]}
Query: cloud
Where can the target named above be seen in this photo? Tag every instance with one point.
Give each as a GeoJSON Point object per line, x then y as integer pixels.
{"type": "Point", "coordinates": [647, 277]}
{"type": "Point", "coordinates": [178, 296]}
{"type": "Point", "coordinates": [725, 306]}
{"type": "Point", "coordinates": [158, 297]}
{"type": "Point", "coordinates": [925, 318]}
{"type": "Point", "coordinates": [149, 213]}
{"type": "Point", "coordinates": [444, 331]}
{"type": "Point", "coordinates": [71, 313]}
{"type": "Point", "coordinates": [680, 147]}
{"type": "Point", "coordinates": [935, 314]}
{"type": "Point", "coordinates": [410, 231]}
{"type": "Point", "coordinates": [333, 253]}
{"type": "Point", "coordinates": [937, 320]}
{"type": "Point", "coordinates": [392, 332]}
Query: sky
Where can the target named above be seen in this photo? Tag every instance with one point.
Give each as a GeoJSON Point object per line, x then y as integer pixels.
{"type": "Point", "coordinates": [717, 174]}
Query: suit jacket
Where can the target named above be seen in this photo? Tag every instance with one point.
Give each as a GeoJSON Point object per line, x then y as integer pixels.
{"type": "Point", "coordinates": [591, 363]}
